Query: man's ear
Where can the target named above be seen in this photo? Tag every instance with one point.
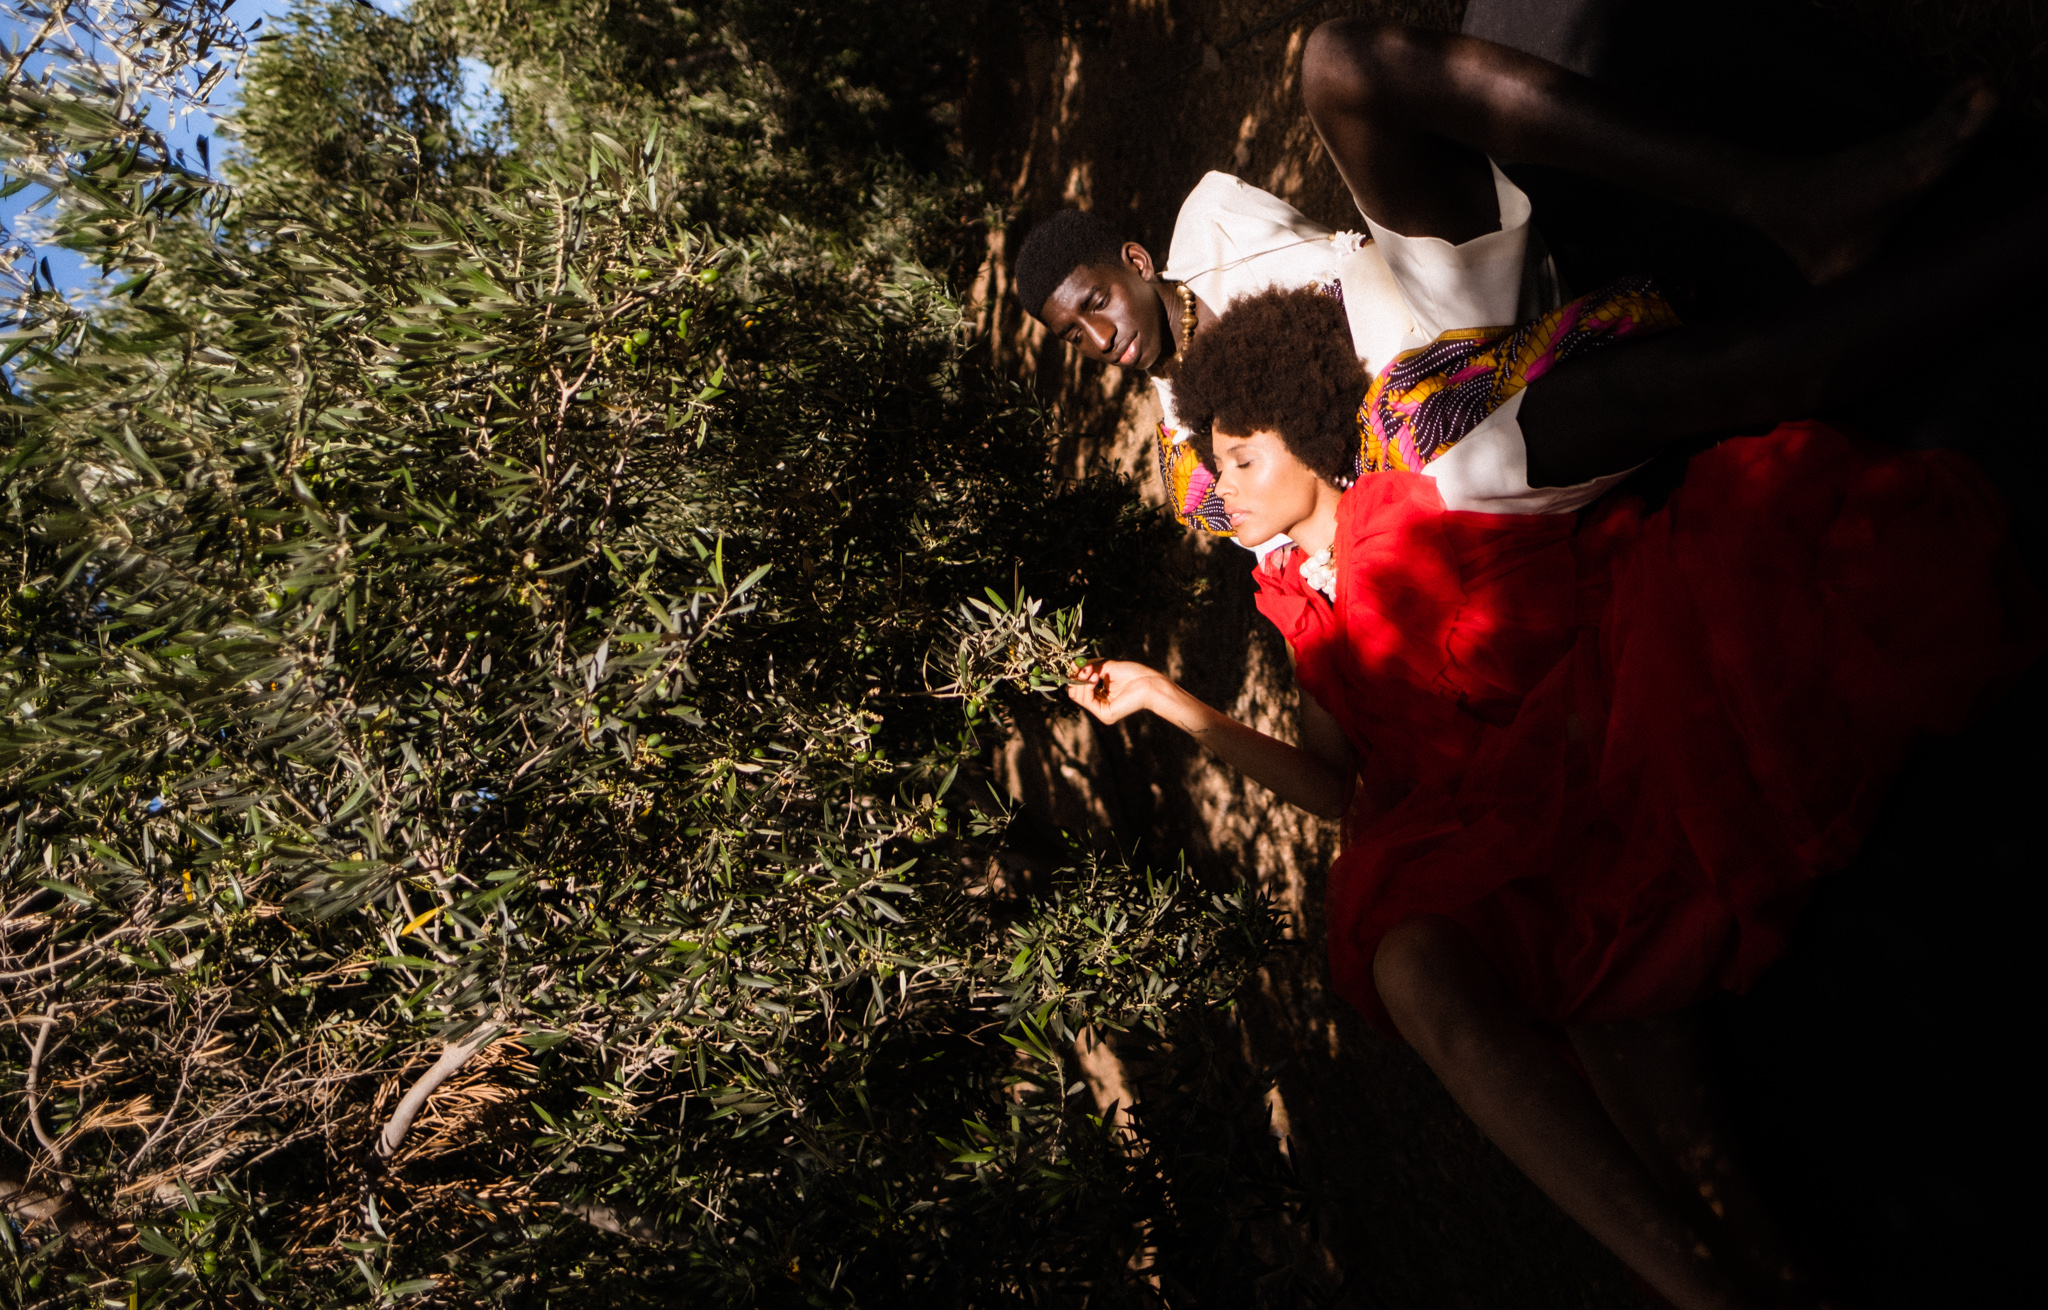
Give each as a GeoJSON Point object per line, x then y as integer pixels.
{"type": "Point", "coordinates": [1139, 259]}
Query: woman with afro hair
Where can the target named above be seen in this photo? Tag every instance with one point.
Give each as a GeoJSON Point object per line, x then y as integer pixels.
{"type": "Point", "coordinates": [1591, 762]}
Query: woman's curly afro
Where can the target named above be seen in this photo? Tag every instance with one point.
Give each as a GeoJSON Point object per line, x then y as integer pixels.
{"type": "Point", "coordinates": [1279, 361]}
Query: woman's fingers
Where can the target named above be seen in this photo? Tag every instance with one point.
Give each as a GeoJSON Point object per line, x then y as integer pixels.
{"type": "Point", "coordinates": [1110, 689]}
{"type": "Point", "coordinates": [1098, 700]}
{"type": "Point", "coordinates": [1097, 689]}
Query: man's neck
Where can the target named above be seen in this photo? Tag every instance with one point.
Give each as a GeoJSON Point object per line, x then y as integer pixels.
{"type": "Point", "coordinates": [1170, 307]}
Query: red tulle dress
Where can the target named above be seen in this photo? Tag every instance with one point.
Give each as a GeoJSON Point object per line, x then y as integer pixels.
{"type": "Point", "coordinates": [1619, 747]}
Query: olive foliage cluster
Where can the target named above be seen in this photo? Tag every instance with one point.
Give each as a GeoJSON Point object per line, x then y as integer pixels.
{"type": "Point", "coordinates": [505, 623]}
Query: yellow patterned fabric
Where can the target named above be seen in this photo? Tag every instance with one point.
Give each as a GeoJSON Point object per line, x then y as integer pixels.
{"type": "Point", "coordinates": [1190, 486]}
{"type": "Point", "coordinates": [1428, 399]}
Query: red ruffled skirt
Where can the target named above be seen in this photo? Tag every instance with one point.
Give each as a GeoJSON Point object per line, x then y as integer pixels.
{"type": "Point", "coordinates": [1619, 748]}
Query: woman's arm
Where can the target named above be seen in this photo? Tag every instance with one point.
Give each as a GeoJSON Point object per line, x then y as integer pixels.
{"type": "Point", "coordinates": [1316, 775]}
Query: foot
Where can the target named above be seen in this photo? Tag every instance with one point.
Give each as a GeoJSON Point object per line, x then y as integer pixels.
{"type": "Point", "coordinates": [1834, 212]}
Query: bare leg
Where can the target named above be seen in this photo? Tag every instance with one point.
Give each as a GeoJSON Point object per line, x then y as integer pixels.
{"type": "Point", "coordinates": [1453, 1007]}
{"type": "Point", "coordinates": [1614, 409]}
{"type": "Point", "coordinates": [1409, 116]}
{"type": "Point", "coordinates": [1651, 1075]}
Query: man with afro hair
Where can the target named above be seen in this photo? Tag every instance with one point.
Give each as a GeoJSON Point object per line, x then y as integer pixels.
{"type": "Point", "coordinates": [1413, 120]}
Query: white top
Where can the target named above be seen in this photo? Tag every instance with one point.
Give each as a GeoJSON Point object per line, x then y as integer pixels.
{"type": "Point", "coordinates": [1233, 240]}
{"type": "Point", "coordinates": [1400, 292]}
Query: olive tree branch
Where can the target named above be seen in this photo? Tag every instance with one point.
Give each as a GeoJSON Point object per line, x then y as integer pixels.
{"type": "Point", "coordinates": [453, 1056]}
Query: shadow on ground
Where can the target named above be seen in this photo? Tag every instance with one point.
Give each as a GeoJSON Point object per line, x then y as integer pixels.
{"type": "Point", "coordinates": [1880, 1069]}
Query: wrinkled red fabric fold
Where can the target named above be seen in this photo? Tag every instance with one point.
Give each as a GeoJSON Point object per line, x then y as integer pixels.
{"type": "Point", "coordinates": [1619, 748]}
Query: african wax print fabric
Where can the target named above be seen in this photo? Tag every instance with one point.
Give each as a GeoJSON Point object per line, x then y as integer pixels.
{"type": "Point", "coordinates": [1429, 399]}
{"type": "Point", "coordinates": [1190, 485]}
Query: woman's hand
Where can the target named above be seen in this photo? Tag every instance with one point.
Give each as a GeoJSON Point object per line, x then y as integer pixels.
{"type": "Point", "coordinates": [1113, 690]}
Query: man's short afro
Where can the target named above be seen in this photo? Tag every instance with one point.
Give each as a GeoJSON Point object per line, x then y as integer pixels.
{"type": "Point", "coordinates": [1279, 361]}
{"type": "Point", "coordinates": [1055, 248]}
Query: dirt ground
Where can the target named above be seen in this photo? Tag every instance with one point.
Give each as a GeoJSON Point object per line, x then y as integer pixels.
{"type": "Point", "coordinates": [1877, 1070]}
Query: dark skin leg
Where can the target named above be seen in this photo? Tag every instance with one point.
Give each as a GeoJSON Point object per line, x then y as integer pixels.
{"type": "Point", "coordinates": [1640, 1159]}
{"type": "Point", "coordinates": [1614, 409]}
{"type": "Point", "coordinates": [1652, 1076]}
{"type": "Point", "coordinates": [1409, 117]}
{"type": "Point", "coordinates": [1454, 1008]}
{"type": "Point", "coordinates": [1598, 415]}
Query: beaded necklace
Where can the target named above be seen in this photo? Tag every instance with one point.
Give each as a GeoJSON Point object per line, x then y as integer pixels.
{"type": "Point", "coordinates": [1320, 571]}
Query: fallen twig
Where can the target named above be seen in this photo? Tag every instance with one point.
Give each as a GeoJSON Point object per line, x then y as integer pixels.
{"type": "Point", "coordinates": [453, 1057]}
{"type": "Point", "coordinates": [30, 1091]}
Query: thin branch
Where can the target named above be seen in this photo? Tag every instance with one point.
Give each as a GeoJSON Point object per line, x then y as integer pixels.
{"type": "Point", "coordinates": [28, 51]}
{"type": "Point", "coordinates": [184, 1080]}
{"type": "Point", "coordinates": [453, 1057]}
{"type": "Point", "coordinates": [623, 1220]}
{"type": "Point", "coordinates": [31, 1093]}
{"type": "Point", "coordinates": [59, 962]}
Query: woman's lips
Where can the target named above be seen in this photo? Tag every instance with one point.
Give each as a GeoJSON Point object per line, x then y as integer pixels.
{"type": "Point", "coordinates": [1237, 517]}
{"type": "Point", "coordinates": [1130, 355]}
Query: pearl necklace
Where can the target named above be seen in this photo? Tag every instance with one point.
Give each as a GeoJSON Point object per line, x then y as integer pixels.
{"type": "Point", "coordinates": [1320, 571]}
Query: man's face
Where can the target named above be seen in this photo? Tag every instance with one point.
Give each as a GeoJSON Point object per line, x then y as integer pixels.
{"type": "Point", "coordinates": [1111, 312]}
